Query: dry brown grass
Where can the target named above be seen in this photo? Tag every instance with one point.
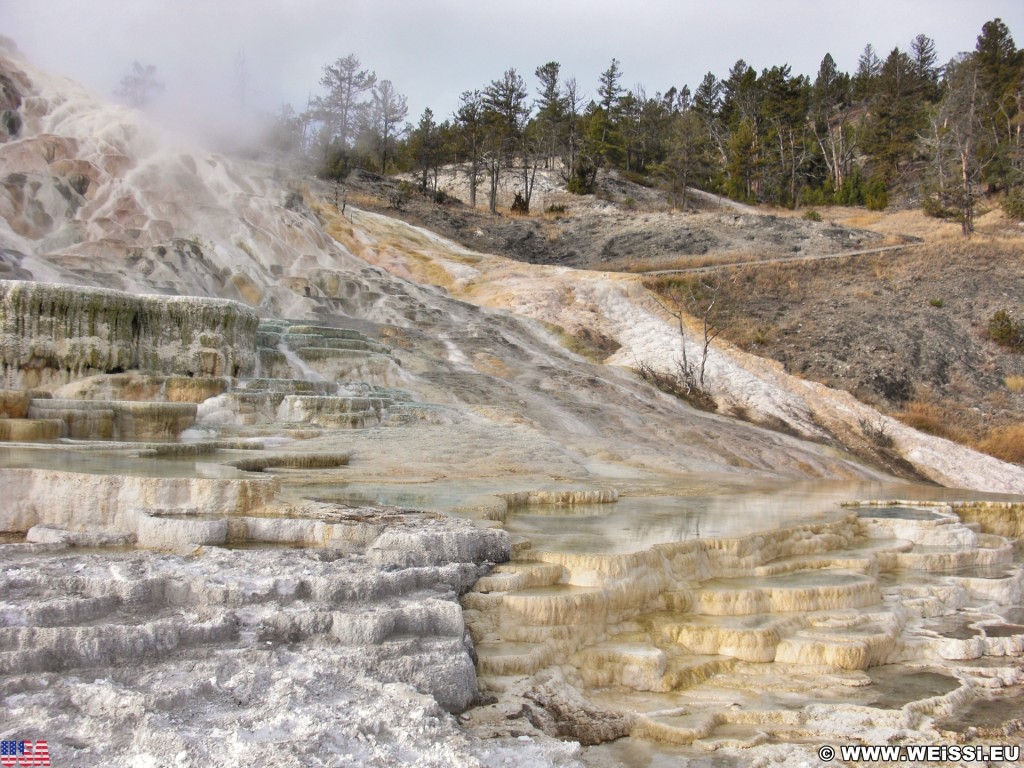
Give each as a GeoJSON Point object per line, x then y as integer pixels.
{"type": "Point", "coordinates": [1015, 384]}
{"type": "Point", "coordinates": [944, 418]}
{"type": "Point", "coordinates": [894, 225]}
{"type": "Point", "coordinates": [749, 337]}
{"type": "Point", "coordinates": [363, 200]}
{"type": "Point", "coordinates": [934, 418]}
{"type": "Point", "coordinates": [585, 342]}
{"type": "Point", "coordinates": [694, 261]}
{"type": "Point", "coordinates": [1006, 443]}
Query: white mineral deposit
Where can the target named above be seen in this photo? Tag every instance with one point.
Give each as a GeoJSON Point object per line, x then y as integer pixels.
{"type": "Point", "coordinates": [282, 486]}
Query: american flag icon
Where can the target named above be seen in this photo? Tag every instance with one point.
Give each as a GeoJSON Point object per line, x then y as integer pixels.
{"type": "Point", "coordinates": [15, 754]}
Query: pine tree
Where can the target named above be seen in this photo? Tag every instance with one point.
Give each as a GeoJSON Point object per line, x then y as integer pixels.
{"type": "Point", "coordinates": [606, 115]}
{"type": "Point", "coordinates": [926, 69]}
{"type": "Point", "coordinates": [506, 113]}
{"type": "Point", "coordinates": [739, 95]}
{"type": "Point", "coordinates": [470, 121]}
{"type": "Point", "coordinates": [688, 161]}
{"type": "Point", "coordinates": [342, 110]}
{"type": "Point", "coordinates": [551, 111]}
{"type": "Point", "coordinates": [869, 67]}
{"type": "Point", "coordinates": [897, 118]}
{"type": "Point", "coordinates": [425, 143]}
{"type": "Point", "coordinates": [742, 169]}
{"type": "Point", "coordinates": [1001, 78]}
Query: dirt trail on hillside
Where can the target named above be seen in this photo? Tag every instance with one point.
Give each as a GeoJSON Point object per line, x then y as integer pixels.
{"type": "Point", "coordinates": [617, 306]}
{"type": "Point", "coordinates": [780, 260]}
{"type": "Point", "coordinates": [889, 306]}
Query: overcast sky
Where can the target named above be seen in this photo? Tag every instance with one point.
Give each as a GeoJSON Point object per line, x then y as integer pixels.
{"type": "Point", "coordinates": [432, 50]}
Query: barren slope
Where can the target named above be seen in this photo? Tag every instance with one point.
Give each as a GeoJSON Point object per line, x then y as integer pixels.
{"type": "Point", "coordinates": [623, 227]}
{"type": "Point", "coordinates": [903, 330]}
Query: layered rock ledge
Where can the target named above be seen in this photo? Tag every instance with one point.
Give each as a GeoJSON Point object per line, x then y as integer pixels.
{"type": "Point", "coordinates": [339, 653]}
{"type": "Point", "coordinates": [52, 334]}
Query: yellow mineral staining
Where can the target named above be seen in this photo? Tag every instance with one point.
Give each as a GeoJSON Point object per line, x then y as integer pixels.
{"type": "Point", "coordinates": [705, 621]}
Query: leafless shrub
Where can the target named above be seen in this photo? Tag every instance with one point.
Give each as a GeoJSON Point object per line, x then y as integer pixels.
{"type": "Point", "coordinates": [682, 383]}
{"type": "Point", "coordinates": [699, 298]}
{"type": "Point", "coordinates": [876, 433]}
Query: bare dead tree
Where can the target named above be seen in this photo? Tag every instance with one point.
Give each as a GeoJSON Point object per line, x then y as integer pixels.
{"type": "Point", "coordinates": [697, 298]}
{"type": "Point", "coordinates": [141, 86]}
{"type": "Point", "coordinates": [683, 299]}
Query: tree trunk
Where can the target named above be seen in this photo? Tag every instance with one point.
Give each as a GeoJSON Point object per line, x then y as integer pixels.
{"type": "Point", "coordinates": [966, 155]}
{"type": "Point", "coordinates": [474, 171]}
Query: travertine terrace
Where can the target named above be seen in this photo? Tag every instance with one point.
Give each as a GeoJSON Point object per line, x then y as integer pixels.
{"type": "Point", "coordinates": [285, 484]}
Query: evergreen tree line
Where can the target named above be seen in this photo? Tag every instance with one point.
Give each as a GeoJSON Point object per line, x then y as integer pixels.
{"type": "Point", "coordinates": [359, 121]}
{"type": "Point", "coordinates": [905, 127]}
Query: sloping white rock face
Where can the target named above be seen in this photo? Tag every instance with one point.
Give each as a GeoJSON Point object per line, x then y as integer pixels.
{"type": "Point", "coordinates": [618, 306]}
{"type": "Point", "coordinates": [93, 194]}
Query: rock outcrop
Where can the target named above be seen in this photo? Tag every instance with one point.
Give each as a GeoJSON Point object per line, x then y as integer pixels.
{"type": "Point", "coordinates": [292, 641]}
{"type": "Point", "coordinates": [53, 334]}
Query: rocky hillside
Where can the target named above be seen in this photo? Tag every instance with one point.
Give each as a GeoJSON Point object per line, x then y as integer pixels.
{"type": "Point", "coordinates": [907, 333]}
{"type": "Point", "coordinates": [903, 330]}
{"type": "Point", "coordinates": [622, 227]}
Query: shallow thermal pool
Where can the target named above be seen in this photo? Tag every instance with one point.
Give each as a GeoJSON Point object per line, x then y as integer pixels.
{"type": "Point", "coordinates": [637, 522]}
{"type": "Point", "coordinates": [644, 515]}
{"type": "Point", "coordinates": [92, 461]}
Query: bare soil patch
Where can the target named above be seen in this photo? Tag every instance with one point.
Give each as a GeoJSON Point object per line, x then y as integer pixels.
{"type": "Point", "coordinates": [906, 333]}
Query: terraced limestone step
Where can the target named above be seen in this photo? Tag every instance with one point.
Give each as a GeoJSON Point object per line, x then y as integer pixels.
{"type": "Point", "coordinates": [853, 647]}
{"type": "Point", "coordinates": [675, 728]}
{"type": "Point", "coordinates": [641, 666]}
{"type": "Point", "coordinates": [55, 649]}
{"type": "Point", "coordinates": [752, 638]}
{"type": "Point", "coordinates": [60, 611]}
{"type": "Point", "coordinates": [486, 617]}
{"type": "Point", "coordinates": [356, 412]}
{"type": "Point", "coordinates": [864, 556]}
{"type": "Point", "coordinates": [992, 552]}
{"type": "Point", "coordinates": [427, 413]}
{"type": "Point", "coordinates": [144, 387]}
{"type": "Point", "coordinates": [310, 352]}
{"type": "Point", "coordinates": [351, 343]}
{"type": "Point", "coordinates": [506, 659]}
{"type": "Point", "coordinates": [815, 590]}
{"type": "Point", "coordinates": [29, 430]}
{"type": "Point", "coordinates": [326, 403]}
{"type": "Point", "coordinates": [520, 574]}
{"type": "Point", "coordinates": [557, 604]}
{"type": "Point", "coordinates": [126, 609]}
{"type": "Point", "coordinates": [734, 660]}
{"type": "Point", "coordinates": [284, 387]}
{"type": "Point", "coordinates": [636, 665]}
{"type": "Point", "coordinates": [116, 419]}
